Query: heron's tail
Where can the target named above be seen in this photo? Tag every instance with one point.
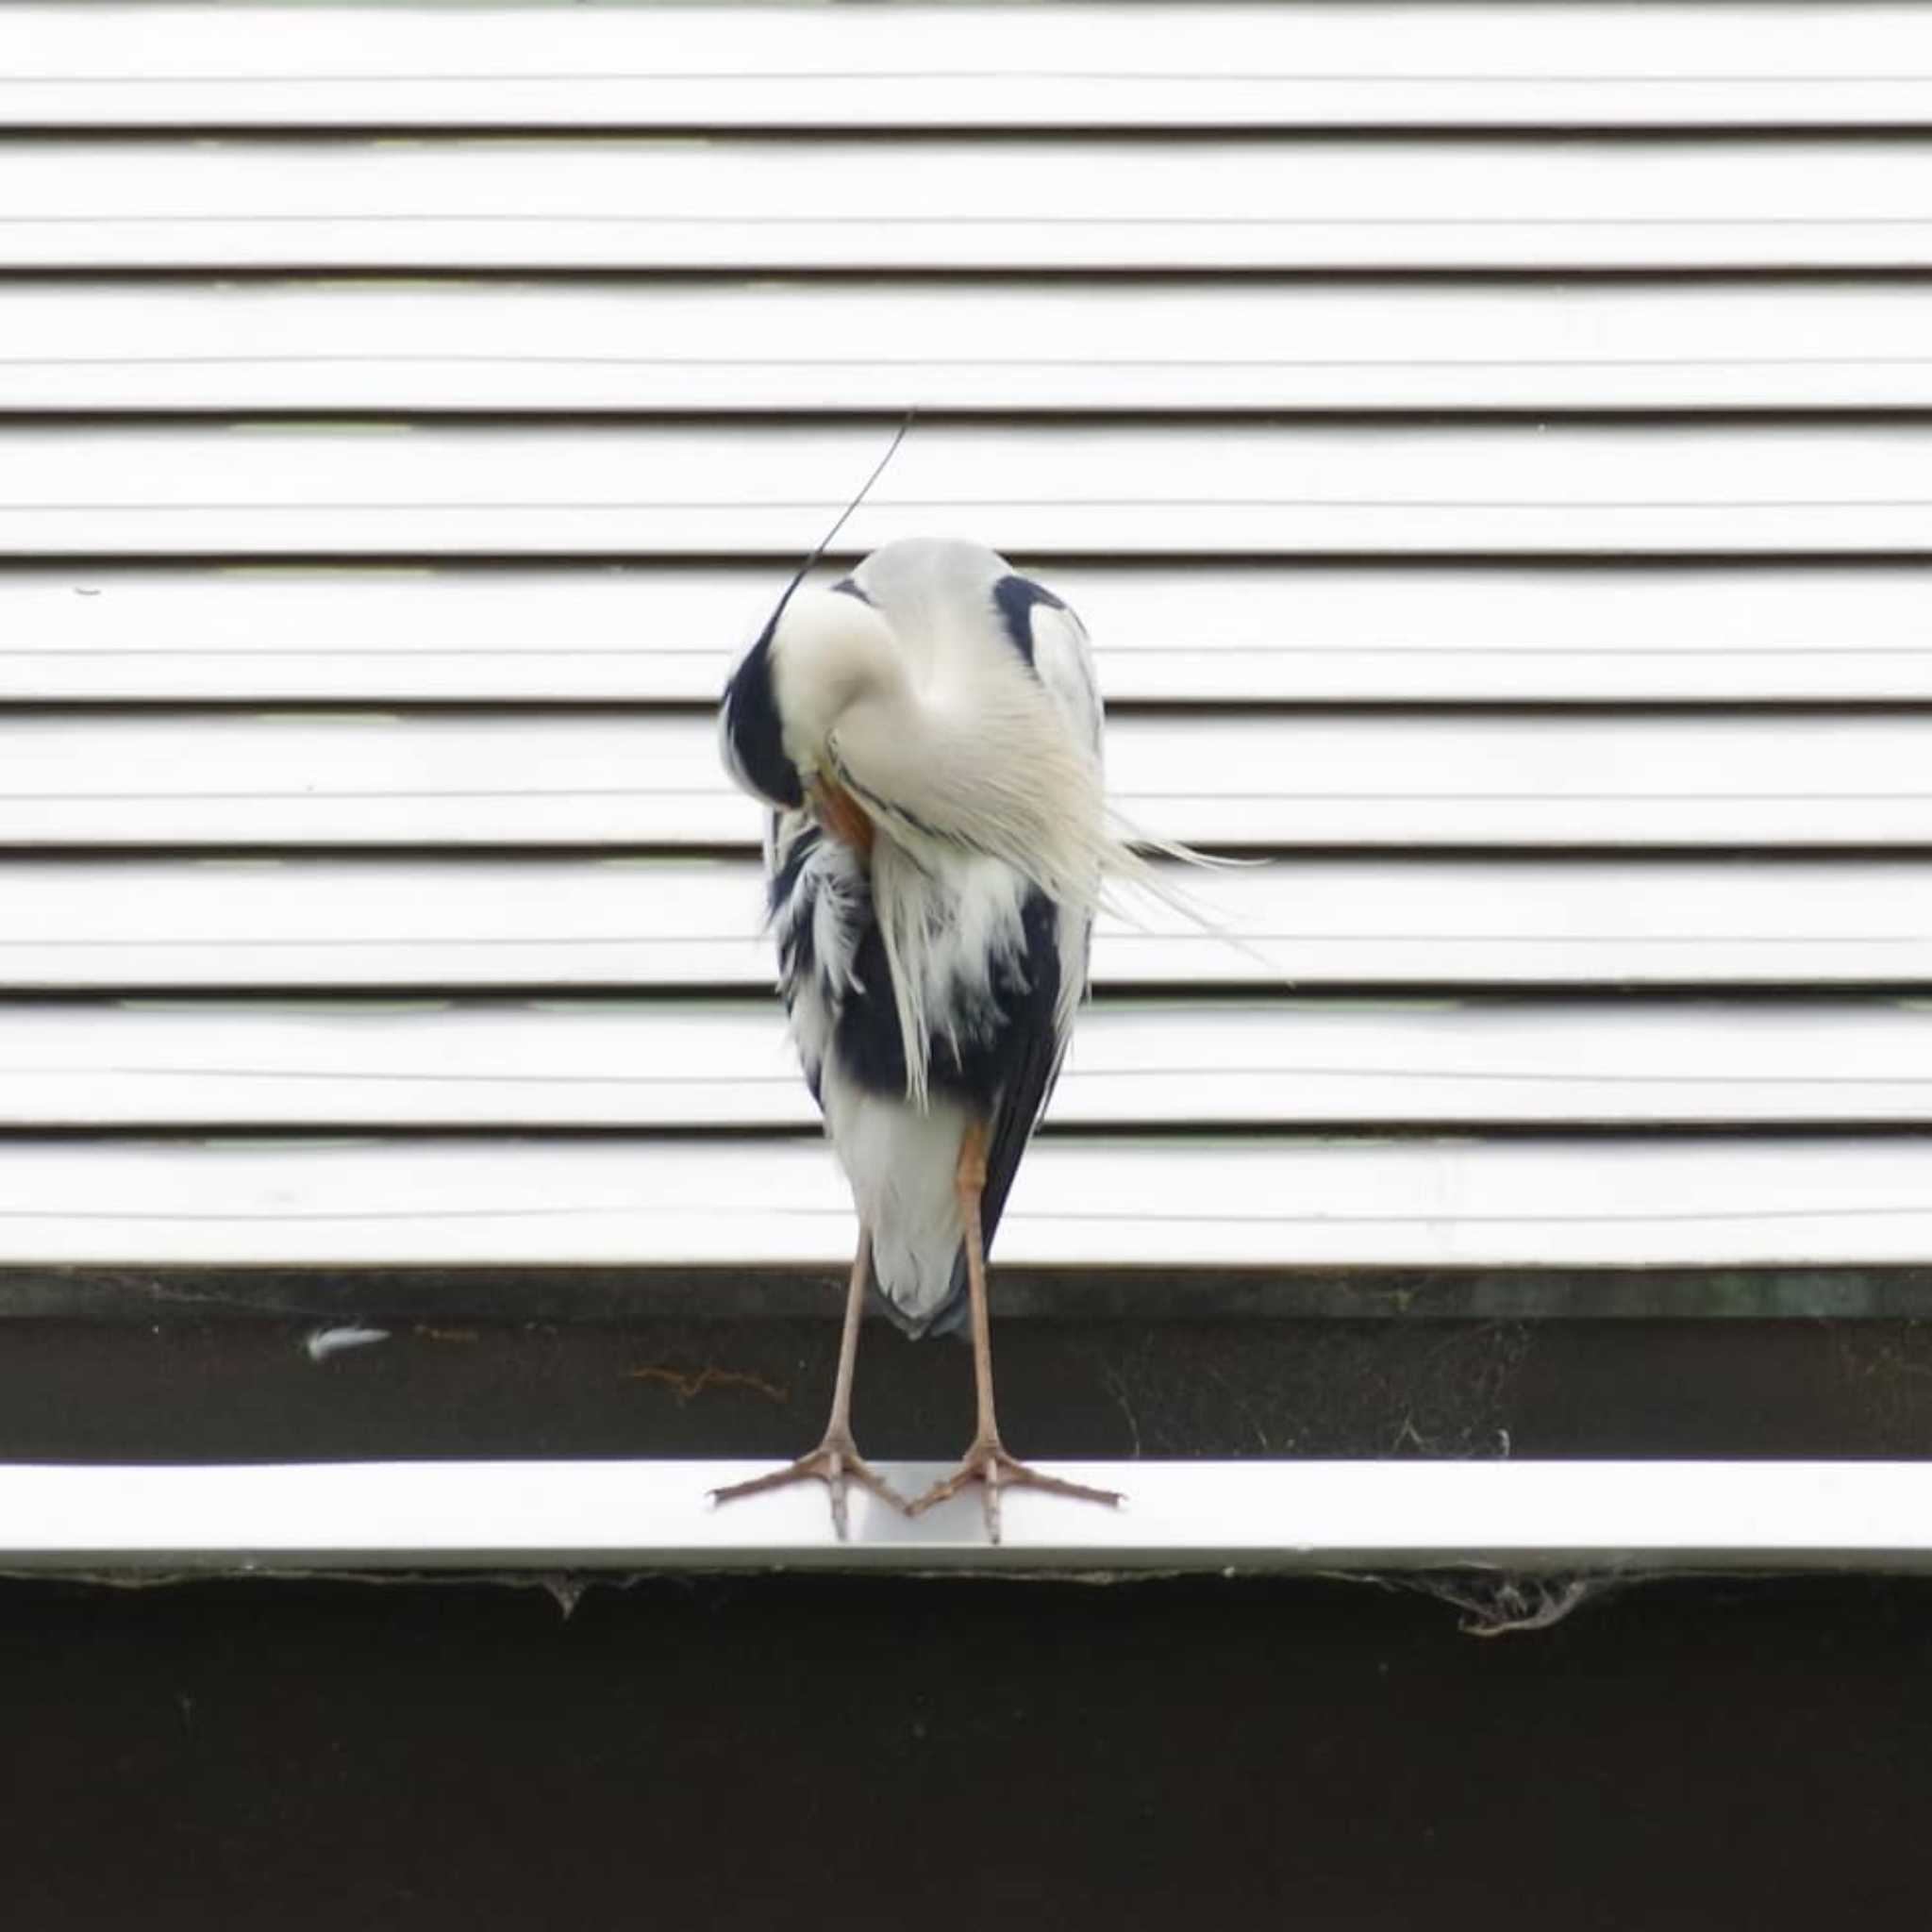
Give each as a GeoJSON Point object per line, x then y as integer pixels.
{"type": "Point", "coordinates": [948, 1318]}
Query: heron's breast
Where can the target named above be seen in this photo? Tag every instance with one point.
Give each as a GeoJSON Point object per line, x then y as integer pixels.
{"type": "Point", "coordinates": [842, 815]}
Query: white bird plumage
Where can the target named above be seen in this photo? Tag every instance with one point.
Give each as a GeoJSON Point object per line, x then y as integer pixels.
{"type": "Point", "coordinates": [927, 732]}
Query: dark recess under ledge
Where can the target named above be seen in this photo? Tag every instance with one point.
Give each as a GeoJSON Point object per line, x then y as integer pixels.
{"type": "Point", "coordinates": [611, 1293]}
{"type": "Point", "coordinates": [200, 1386]}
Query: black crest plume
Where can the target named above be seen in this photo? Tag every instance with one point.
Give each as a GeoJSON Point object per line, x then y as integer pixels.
{"type": "Point", "coordinates": [752, 738]}
{"type": "Point", "coordinates": [825, 542]}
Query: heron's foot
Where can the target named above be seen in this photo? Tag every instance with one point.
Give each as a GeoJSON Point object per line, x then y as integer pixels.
{"type": "Point", "coordinates": [835, 1462]}
{"type": "Point", "coordinates": [988, 1463]}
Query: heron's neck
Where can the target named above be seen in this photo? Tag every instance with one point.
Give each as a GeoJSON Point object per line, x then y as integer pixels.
{"type": "Point", "coordinates": [837, 653]}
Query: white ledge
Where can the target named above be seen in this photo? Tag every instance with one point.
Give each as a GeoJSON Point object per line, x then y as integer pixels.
{"type": "Point", "coordinates": [1604, 1517]}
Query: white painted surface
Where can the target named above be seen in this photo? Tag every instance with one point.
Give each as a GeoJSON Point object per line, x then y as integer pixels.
{"type": "Point", "coordinates": [1188, 632]}
{"type": "Point", "coordinates": [961, 344]}
{"type": "Point", "coordinates": [694, 922]}
{"type": "Point", "coordinates": [1357, 1201]}
{"type": "Point", "coordinates": [1211, 777]}
{"type": "Point", "coordinates": [694, 1063]}
{"type": "Point", "coordinates": [1615, 1517]}
{"type": "Point", "coordinates": [1112, 490]}
{"type": "Point", "coordinates": [1154, 67]}
{"type": "Point", "coordinates": [743, 204]}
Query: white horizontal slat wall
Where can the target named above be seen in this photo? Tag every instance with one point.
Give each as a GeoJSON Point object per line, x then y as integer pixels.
{"type": "Point", "coordinates": [250, 489]}
{"type": "Point", "coordinates": [961, 204]}
{"type": "Point", "coordinates": [1154, 68]}
{"type": "Point", "coordinates": [766, 345]}
{"type": "Point", "coordinates": [1259, 1062]}
{"type": "Point", "coordinates": [390, 779]}
{"type": "Point", "coordinates": [1275, 630]}
{"type": "Point", "coordinates": [406, 413]}
{"type": "Point", "coordinates": [1094, 1203]}
{"type": "Point", "coordinates": [674, 921]}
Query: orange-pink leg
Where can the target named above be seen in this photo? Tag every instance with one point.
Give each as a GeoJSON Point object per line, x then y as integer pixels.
{"type": "Point", "coordinates": [985, 1461]}
{"type": "Point", "coordinates": [836, 1462]}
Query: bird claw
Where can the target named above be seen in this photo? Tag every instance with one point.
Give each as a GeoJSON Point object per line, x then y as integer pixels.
{"type": "Point", "coordinates": [834, 1462]}
{"type": "Point", "coordinates": [988, 1463]}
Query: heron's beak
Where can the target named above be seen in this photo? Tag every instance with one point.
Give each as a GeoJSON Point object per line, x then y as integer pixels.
{"type": "Point", "coordinates": [841, 815]}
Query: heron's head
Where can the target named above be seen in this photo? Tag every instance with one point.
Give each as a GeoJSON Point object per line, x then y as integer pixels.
{"type": "Point", "coordinates": [826, 660]}
{"type": "Point", "coordinates": [832, 655]}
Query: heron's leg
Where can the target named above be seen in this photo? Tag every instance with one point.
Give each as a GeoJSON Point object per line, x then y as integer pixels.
{"type": "Point", "coordinates": [836, 1462]}
{"type": "Point", "coordinates": [987, 1461]}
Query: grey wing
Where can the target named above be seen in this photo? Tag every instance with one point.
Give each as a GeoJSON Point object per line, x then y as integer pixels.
{"type": "Point", "coordinates": [1035, 1045]}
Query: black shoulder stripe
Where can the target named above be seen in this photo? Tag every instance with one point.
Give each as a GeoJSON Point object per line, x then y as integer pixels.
{"type": "Point", "coordinates": [1014, 597]}
{"type": "Point", "coordinates": [753, 740]}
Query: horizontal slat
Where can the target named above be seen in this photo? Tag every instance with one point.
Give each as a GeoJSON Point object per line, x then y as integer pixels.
{"type": "Point", "coordinates": [1212, 776]}
{"type": "Point", "coordinates": [1291, 1515]}
{"type": "Point", "coordinates": [715, 1063]}
{"type": "Point", "coordinates": [281, 923]}
{"type": "Point", "coordinates": [1207, 631]}
{"type": "Point", "coordinates": [916, 66]}
{"type": "Point", "coordinates": [1448, 1202]}
{"type": "Point", "coordinates": [256, 489]}
{"type": "Point", "coordinates": [965, 346]}
{"type": "Point", "coordinates": [743, 204]}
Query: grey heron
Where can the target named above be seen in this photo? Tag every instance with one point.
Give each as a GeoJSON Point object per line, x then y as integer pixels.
{"type": "Point", "coordinates": [926, 734]}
